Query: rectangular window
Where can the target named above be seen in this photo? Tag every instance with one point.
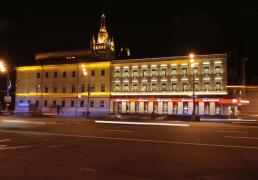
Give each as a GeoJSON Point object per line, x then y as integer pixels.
{"type": "Point", "coordinates": [73, 74]}
{"type": "Point", "coordinates": [82, 104]}
{"type": "Point", "coordinates": [64, 89]}
{"type": "Point", "coordinates": [164, 86]}
{"type": "Point", "coordinates": [144, 87]}
{"type": "Point", "coordinates": [92, 88]}
{"type": "Point", "coordinates": [217, 70]}
{"type": "Point", "coordinates": [126, 73]}
{"type": "Point", "coordinates": [54, 103]}
{"type": "Point", "coordinates": [153, 87]}
{"type": "Point", "coordinates": [103, 89]}
{"type": "Point", "coordinates": [64, 74]}
{"type": "Point", "coordinates": [165, 107]}
{"type": "Point", "coordinates": [55, 89]}
{"type": "Point", "coordinates": [92, 73]}
{"type": "Point", "coordinates": [154, 72]}
{"type": "Point", "coordinates": [38, 88]}
{"type": "Point", "coordinates": [135, 73]}
{"type": "Point", "coordinates": [174, 72]}
{"type": "Point", "coordinates": [135, 86]}
{"type": "Point", "coordinates": [102, 104]}
{"type": "Point", "coordinates": [144, 73]}
{"type": "Point", "coordinates": [117, 73]}
{"type": "Point", "coordinates": [184, 87]}
{"type": "Point", "coordinates": [196, 86]}
{"type": "Point", "coordinates": [126, 89]}
{"type": "Point", "coordinates": [63, 103]}
{"type": "Point", "coordinates": [83, 88]}
{"type": "Point", "coordinates": [174, 87]}
{"type": "Point", "coordinates": [195, 71]}
{"type": "Point", "coordinates": [206, 86]}
{"type": "Point", "coordinates": [73, 89]}
{"type": "Point", "coordinates": [72, 103]}
{"type": "Point", "coordinates": [45, 103]}
{"type": "Point", "coordinates": [91, 103]}
{"type": "Point", "coordinates": [102, 72]}
{"type": "Point", "coordinates": [55, 74]}
{"type": "Point", "coordinates": [46, 74]}
{"type": "Point", "coordinates": [218, 86]}
{"type": "Point", "coordinates": [184, 71]}
{"type": "Point", "coordinates": [206, 70]}
{"type": "Point", "coordinates": [46, 90]}
{"type": "Point", "coordinates": [38, 75]}
{"type": "Point", "coordinates": [37, 103]}
{"type": "Point", "coordinates": [163, 72]}
{"type": "Point", "coordinates": [117, 88]}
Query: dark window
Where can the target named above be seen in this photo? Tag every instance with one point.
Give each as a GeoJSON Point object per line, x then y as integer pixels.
{"type": "Point", "coordinates": [73, 89]}
{"type": "Point", "coordinates": [37, 103]}
{"type": "Point", "coordinates": [102, 104]}
{"type": "Point", "coordinates": [46, 75]}
{"type": "Point", "coordinates": [38, 75]}
{"type": "Point", "coordinates": [64, 74]}
{"type": "Point", "coordinates": [73, 74]}
{"type": "Point", "coordinates": [72, 103]}
{"type": "Point", "coordinates": [102, 72]}
{"type": "Point", "coordinates": [55, 74]}
{"type": "Point", "coordinates": [21, 101]}
{"type": "Point", "coordinates": [54, 103]}
{"type": "Point", "coordinates": [92, 88]}
{"type": "Point", "coordinates": [102, 87]}
{"type": "Point", "coordinates": [29, 101]}
{"type": "Point", "coordinates": [63, 103]}
{"type": "Point", "coordinates": [82, 104]}
{"type": "Point", "coordinates": [46, 89]}
{"type": "Point", "coordinates": [83, 88]}
{"type": "Point", "coordinates": [92, 73]}
{"type": "Point", "coordinates": [45, 103]}
{"type": "Point", "coordinates": [64, 89]}
{"type": "Point", "coordinates": [91, 103]}
{"type": "Point", "coordinates": [55, 89]}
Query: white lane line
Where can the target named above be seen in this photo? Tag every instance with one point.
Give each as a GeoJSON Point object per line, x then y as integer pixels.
{"type": "Point", "coordinates": [243, 122]}
{"type": "Point", "coordinates": [226, 131]}
{"type": "Point", "coordinates": [22, 121]}
{"type": "Point", "coordinates": [5, 140]}
{"type": "Point", "coordinates": [132, 140]}
{"type": "Point", "coordinates": [125, 131]}
{"type": "Point", "coordinates": [238, 137]}
{"type": "Point", "coordinates": [142, 123]}
{"type": "Point", "coordinates": [18, 147]}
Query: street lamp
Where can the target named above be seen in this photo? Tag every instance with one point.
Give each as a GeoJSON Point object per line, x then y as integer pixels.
{"type": "Point", "coordinates": [193, 85]}
{"type": "Point", "coordinates": [88, 88]}
{"type": "Point", "coordinates": [8, 86]}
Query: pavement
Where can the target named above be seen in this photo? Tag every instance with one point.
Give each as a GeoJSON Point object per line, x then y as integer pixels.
{"type": "Point", "coordinates": [52, 148]}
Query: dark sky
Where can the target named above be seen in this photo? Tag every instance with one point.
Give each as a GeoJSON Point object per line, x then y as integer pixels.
{"type": "Point", "coordinates": [148, 29]}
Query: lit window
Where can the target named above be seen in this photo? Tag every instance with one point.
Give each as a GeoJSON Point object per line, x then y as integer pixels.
{"type": "Point", "coordinates": [165, 107]}
{"type": "Point", "coordinates": [144, 73]}
{"type": "Point", "coordinates": [184, 87]}
{"type": "Point", "coordinates": [135, 72]}
{"type": "Point", "coordinates": [117, 88]}
{"type": "Point", "coordinates": [144, 87]}
{"type": "Point", "coordinates": [126, 89]}
{"type": "Point", "coordinates": [184, 71]}
{"type": "Point", "coordinates": [206, 70]}
{"type": "Point", "coordinates": [135, 87]}
{"type": "Point", "coordinates": [164, 86]}
{"type": "Point", "coordinates": [117, 73]}
{"type": "Point", "coordinates": [218, 86]}
{"type": "Point", "coordinates": [163, 72]}
{"type": "Point", "coordinates": [218, 70]}
{"type": "Point", "coordinates": [154, 72]}
{"type": "Point", "coordinates": [174, 87]}
{"type": "Point", "coordinates": [103, 87]}
{"type": "Point", "coordinates": [196, 86]}
{"type": "Point", "coordinates": [154, 87]}
{"type": "Point", "coordinates": [206, 86]}
{"type": "Point", "coordinates": [126, 73]}
{"type": "Point", "coordinates": [195, 71]}
{"type": "Point", "coordinates": [174, 72]}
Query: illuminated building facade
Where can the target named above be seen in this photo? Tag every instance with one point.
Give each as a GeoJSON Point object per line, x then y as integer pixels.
{"type": "Point", "coordinates": [74, 81]}
{"type": "Point", "coordinates": [165, 85]}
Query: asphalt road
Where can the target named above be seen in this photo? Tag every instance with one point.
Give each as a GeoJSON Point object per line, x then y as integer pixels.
{"type": "Point", "coordinates": [32, 149]}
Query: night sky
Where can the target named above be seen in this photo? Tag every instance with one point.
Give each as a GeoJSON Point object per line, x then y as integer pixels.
{"type": "Point", "coordinates": [148, 29]}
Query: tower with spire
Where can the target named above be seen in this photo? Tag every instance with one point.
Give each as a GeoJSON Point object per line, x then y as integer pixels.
{"type": "Point", "coordinates": [103, 41]}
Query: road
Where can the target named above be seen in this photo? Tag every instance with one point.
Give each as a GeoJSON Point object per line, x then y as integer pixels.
{"type": "Point", "coordinates": [41, 148]}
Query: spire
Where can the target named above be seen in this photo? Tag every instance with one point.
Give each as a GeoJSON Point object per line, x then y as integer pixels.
{"type": "Point", "coordinates": [102, 25]}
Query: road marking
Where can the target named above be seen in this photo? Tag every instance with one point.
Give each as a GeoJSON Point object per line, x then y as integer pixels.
{"type": "Point", "coordinates": [232, 131]}
{"type": "Point", "coordinates": [23, 122]}
{"type": "Point", "coordinates": [243, 122]}
{"type": "Point", "coordinates": [142, 123]}
{"type": "Point", "coordinates": [132, 140]}
{"type": "Point", "coordinates": [18, 147]}
{"type": "Point", "coordinates": [125, 131]}
{"type": "Point", "coordinates": [5, 140]}
{"type": "Point", "coordinates": [237, 137]}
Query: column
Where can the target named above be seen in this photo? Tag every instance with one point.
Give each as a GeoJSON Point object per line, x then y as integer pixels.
{"type": "Point", "coordinates": [123, 107]}
{"type": "Point", "coordinates": [212, 108]}
{"type": "Point", "coordinates": [170, 107]}
{"type": "Point", "coordinates": [190, 107]}
{"type": "Point", "coordinates": [160, 107]}
{"type": "Point", "coordinates": [141, 108]}
{"type": "Point", "coordinates": [132, 107]}
{"type": "Point", "coordinates": [111, 107]}
{"type": "Point", "coordinates": [201, 108]}
{"type": "Point", "coordinates": [150, 107]}
{"type": "Point", "coordinates": [180, 108]}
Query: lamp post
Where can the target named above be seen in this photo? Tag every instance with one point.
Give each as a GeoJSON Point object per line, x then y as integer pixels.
{"type": "Point", "coordinates": [88, 89]}
{"type": "Point", "coordinates": [193, 85]}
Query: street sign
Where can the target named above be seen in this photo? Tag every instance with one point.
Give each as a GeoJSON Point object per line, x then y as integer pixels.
{"type": "Point", "coordinates": [7, 99]}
